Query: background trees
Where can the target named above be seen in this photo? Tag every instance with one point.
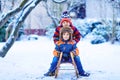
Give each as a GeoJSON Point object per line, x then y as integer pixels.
{"type": "Point", "coordinates": [104, 15]}
{"type": "Point", "coordinates": [25, 10]}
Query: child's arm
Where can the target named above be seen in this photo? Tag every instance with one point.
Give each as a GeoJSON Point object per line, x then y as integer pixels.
{"type": "Point", "coordinates": [56, 52]}
{"type": "Point", "coordinates": [56, 35]}
{"type": "Point", "coordinates": [76, 35]}
{"type": "Point", "coordinates": [75, 50]}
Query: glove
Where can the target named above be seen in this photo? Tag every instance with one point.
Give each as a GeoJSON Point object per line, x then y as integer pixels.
{"type": "Point", "coordinates": [74, 52]}
{"type": "Point", "coordinates": [56, 42]}
{"type": "Point", "coordinates": [58, 53]}
{"type": "Point", "coordinates": [74, 42]}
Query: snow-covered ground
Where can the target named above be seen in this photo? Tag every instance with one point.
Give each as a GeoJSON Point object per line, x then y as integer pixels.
{"type": "Point", "coordinates": [29, 60]}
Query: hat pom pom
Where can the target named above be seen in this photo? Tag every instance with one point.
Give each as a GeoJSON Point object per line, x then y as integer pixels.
{"type": "Point", "coordinates": [65, 14]}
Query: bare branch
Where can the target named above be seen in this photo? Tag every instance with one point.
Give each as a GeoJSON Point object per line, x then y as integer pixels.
{"type": "Point", "coordinates": [54, 19]}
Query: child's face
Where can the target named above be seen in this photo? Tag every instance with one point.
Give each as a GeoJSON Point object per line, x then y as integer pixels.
{"type": "Point", "coordinates": [66, 36]}
{"type": "Point", "coordinates": [66, 24]}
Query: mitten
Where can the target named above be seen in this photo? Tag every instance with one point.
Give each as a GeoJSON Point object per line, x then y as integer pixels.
{"type": "Point", "coordinates": [74, 42]}
{"type": "Point", "coordinates": [74, 52]}
{"type": "Point", "coordinates": [58, 53]}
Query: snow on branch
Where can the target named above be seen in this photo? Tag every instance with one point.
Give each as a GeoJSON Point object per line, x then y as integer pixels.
{"type": "Point", "coordinates": [59, 1]}
{"type": "Point", "coordinates": [4, 18]}
{"type": "Point", "coordinates": [19, 21]}
{"type": "Point", "coordinates": [54, 19]}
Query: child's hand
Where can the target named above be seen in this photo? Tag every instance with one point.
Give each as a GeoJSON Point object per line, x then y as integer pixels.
{"type": "Point", "coordinates": [74, 42]}
{"type": "Point", "coordinates": [74, 52]}
{"type": "Point", "coordinates": [56, 42]}
{"type": "Point", "coordinates": [58, 53]}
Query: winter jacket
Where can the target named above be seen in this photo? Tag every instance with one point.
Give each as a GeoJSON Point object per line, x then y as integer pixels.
{"type": "Point", "coordinates": [65, 47]}
{"type": "Point", "coordinates": [76, 34]}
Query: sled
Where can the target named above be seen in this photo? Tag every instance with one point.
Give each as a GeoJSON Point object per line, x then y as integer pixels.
{"type": "Point", "coordinates": [73, 63]}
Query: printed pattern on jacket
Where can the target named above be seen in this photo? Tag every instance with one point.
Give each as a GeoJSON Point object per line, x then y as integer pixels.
{"type": "Point", "coordinates": [65, 48]}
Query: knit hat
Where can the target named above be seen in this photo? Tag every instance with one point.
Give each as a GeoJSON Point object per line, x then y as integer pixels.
{"type": "Point", "coordinates": [65, 14]}
{"type": "Point", "coordinates": [65, 17]}
{"type": "Point", "coordinates": [66, 29]}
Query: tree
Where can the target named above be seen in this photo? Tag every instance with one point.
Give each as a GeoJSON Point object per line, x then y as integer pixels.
{"type": "Point", "coordinates": [54, 19]}
{"type": "Point", "coordinates": [58, 6]}
{"type": "Point", "coordinates": [79, 7]}
{"type": "Point", "coordinates": [25, 8]}
{"type": "Point", "coordinates": [116, 11]}
{"type": "Point", "coordinates": [5, 17]}
{"type": "Point", "coordinates": [115, 4]}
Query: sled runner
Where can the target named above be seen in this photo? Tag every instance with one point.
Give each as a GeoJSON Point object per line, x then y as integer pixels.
{"type": "Point", "coordinates": [73, 63]}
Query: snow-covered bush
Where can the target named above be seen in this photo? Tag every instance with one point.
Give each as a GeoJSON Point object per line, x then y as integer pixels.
{"type": "Point", "coordinates": [101, 34]}
{"type": "Point", "coordinates": [98, 39]}
{"type": "Point", "coordinates": [33, 37]}
{"type": "Point", "coordinates": [118, 32]}
{"type": "Point", "coordinates": [99, 30]}
{"type": "Point", "coordinates": [83, 26]}
{"type": "Point", "coordinates": [84, 29]}
{"type": "Point", "coordinates": [30, 37]}
{"type": "Point", "coordinates": [50, 31]}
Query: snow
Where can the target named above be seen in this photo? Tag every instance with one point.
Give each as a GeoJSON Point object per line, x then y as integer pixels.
{"type": "Point", "coordinates": [29, 60]}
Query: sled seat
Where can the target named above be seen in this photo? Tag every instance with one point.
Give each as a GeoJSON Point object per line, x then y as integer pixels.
{"type": "Point", "coordinates": [66, 60]}
{"type": "Point", "coordinates": [69, 59]}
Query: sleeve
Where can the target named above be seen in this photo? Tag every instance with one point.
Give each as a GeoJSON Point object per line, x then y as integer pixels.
{"type": "Point", "coordinates": [75, 50]}
{"type": "Point", "coordinates": [76, 35]}
{"type": "Point", "coordinates": [56, 51]}
{"type": "Point", "coordinates": [56, 35]}
{"type": "Point", "coordinates": [57, 48]}
{"type": "Point", "coordinates": [74, 46]}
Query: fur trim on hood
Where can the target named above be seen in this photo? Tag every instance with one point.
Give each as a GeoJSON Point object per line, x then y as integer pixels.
{"type": "Point", "coordinates": [66, 29]}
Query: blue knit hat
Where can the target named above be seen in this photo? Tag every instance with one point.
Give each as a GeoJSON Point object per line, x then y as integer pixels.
{"type": "Point", "coordinates": [65, 14]}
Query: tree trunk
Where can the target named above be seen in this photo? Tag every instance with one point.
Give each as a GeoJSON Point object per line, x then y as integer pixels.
{"type": "Point", "coordinates": [5, 17]}
{"type": "Point", "coordinates": [54, 19]}
{"type": "Point", "coordinates": [19, 21]}
{"type": "Point", "coordinates": [13, 3]}
{"type": "Point", "coordinates": [0, 6]}
{"type": "Point", "coordinates": [113, 27]}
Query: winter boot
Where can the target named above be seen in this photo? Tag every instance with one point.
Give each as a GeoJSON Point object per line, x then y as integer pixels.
{"type": "Point", "coordinates": [85, 74]}
{"type": "Point", "coordinates": [49, 73]}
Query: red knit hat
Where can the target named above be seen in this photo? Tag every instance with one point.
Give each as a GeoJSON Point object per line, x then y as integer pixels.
{"type": "Point", "coordinates": [65, 19]}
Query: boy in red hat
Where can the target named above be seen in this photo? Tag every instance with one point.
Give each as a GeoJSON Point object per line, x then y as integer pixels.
{"type": "Point", "coordinates": [66, 22]}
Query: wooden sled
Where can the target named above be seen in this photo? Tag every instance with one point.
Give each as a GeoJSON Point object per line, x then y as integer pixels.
{"type": "Point", "coordinates": [73, 62]}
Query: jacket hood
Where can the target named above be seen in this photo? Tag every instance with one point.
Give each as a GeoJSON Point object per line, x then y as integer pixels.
{"type": "Point", "coordinates": [66, 29]}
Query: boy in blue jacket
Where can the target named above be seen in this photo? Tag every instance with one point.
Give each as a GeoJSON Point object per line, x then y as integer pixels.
{"type": "Point", "coordinates": [66, 45]}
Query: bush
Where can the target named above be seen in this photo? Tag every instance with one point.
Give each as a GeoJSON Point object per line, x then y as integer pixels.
{"type": "Point", "coordinates": [98, 39]}
{"type": "Point", "coordinates": [102, 33]}
{"type": "Point", "coordinates": [50, 31]}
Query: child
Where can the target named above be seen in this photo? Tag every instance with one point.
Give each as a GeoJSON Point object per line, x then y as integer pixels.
{"type": "Point", "coordinates": [66, 22]}
{"type": "Point", "coordinates": [66, 45]}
